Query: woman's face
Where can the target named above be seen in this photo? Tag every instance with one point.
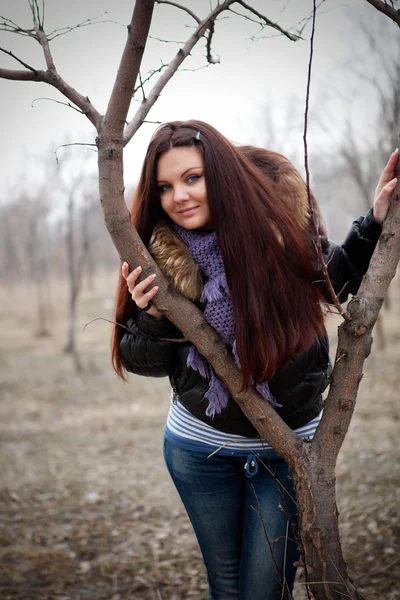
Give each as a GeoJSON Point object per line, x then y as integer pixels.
{"type": "Point", "coordinates": [182, 186]}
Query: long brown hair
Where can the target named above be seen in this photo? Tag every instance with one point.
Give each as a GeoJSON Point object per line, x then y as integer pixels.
{"type": "Point", "coordinates": [276, 307]}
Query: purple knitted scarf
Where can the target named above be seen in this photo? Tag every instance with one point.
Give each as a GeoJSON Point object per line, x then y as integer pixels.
{"type": "Point", "coordinates": [218, 312]}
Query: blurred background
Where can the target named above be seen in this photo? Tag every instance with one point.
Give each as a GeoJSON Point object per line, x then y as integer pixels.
{"type": "Point", "coordinates": [87, 509]}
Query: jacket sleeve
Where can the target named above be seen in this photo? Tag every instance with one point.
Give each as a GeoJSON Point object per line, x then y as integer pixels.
{"type": "Point", "coordinates": [142, 350]}
{"type": "Point", "coordinates": [348, 262]}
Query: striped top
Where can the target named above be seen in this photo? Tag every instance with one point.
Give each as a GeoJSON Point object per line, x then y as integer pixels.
{"type": "Point", "coordinates": [185, 430]}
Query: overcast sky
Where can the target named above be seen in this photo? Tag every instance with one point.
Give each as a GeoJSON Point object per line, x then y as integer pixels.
{"type": "Point", "coordinates": [233, 96]}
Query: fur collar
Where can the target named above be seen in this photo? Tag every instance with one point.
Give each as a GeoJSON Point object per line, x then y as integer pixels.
{"type": "Point", "coordinates": [175, 261]}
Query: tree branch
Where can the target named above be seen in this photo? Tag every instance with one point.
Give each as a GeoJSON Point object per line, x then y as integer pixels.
{"type": "Point", "coordinates": [189, 12]}
{"type": "Point", "coordinates": [24, 64]}
{"type": "Point", "coordinates": [64, 30]}
{"type": "Point", "coordinates": [151, 74]}
{"type": "Point", "coordinates": [387, 10]}
{"type": "Point", "coordinates": [129, 67]}
{"type": "Point", "coordinates": [23, 75]}
{"type": "Point", "coordinates": [172, 67]}
{"type": "Point", "coordinates": [311, 199]}
{"type": "Point", "coordinates": [210, 59]}
{"type": "Point", "coordinates": [12, 27]}
{"type": "Point", "coordinates": [58, 102]}
{"type": "Point", "coordinates": [175, 63]}
{"type": "Point", "coordinates": [41, 37]}
{"type": "Point", "coordinates": [50, 76]}
{"type": "Point", "coordinates": [268, 22]}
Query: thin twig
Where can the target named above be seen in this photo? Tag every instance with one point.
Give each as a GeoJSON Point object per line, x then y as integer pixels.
{"type": "Point", "coordinates": [268, 22]}
{"type": "Point", "coordinates": [153, 37]}
{"type": "Point", "coordinates": [24, 64]}
{"type": "Point", "coordinates": [189, 12]}
{"type": "Point", "coordinates": [178, 340]}
{"type": "Point", "coordinates": [141, 87]}
{"type": "Point", "coordinates": [265, 532]}
{"type": "Point", "coordinates": [380, 570]}
{"type": "Point", "coordinates": [12, 27]}
{"type": "Point", "coordinates": [285, 585]}
{"type": "Point", "coordinates": [108, 321]}
{"type": "Point", "coordinates": [59, 102]}
{"type": "Point", "coordinates": [311, 199]}
{"type": "Point", "coordinates": [92, 21]}
{"type": "Point", "coordinates": [73, 144]}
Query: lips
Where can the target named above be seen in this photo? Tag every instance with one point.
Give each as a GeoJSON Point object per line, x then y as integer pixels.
{"type": "Point", "coordinates": [188, 211]}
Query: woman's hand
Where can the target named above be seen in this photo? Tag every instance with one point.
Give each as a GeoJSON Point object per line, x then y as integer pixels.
{"type": "Point", "coordinates": [385, 187]}
{"type": "Point", "coordinates": [139, 296]}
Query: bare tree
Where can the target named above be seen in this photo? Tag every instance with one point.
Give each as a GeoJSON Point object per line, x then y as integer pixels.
{"type": "Point", "coordinates": [25, 239]}
{"type": "Point", "coordinates": [313, 464]}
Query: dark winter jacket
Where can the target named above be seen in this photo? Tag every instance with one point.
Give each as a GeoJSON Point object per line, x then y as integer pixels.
{"type": "Point", "coordinates": [297, 387]}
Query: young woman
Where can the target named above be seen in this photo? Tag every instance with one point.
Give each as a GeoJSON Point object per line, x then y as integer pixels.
{"type": "Point", "coordinates": [229, 226]}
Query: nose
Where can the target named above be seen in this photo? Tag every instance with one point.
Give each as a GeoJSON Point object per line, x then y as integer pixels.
{"type": "Point", "coordinates": [180, 193]}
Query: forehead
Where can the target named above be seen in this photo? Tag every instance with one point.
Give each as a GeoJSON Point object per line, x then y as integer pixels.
{"type": "Point", "coordinates": [176, 161]}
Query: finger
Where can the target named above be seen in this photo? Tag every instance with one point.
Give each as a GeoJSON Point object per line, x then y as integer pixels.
{"type": "Point", "coordinates": [144, 299]}
{"type": "Point", "coordinates": [389, 187]}
{"type": "Point", "coordinates": [140, 287]}
{"type": "Point", "coordinates": [132, 277]}
{"type": "Point", "coordinates": [389, 171]}
{"type": "Point", "coordinates": [125, 270]}
{"type": "Point", "coordinates": [386, 191]}
{"type": "Point", "coordinates": [381, 204]}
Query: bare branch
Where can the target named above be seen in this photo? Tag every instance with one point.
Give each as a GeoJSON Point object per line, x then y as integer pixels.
{"type": "Point", "coordinates": [59, 102]}
{"type": "Point", "coordinates": [41, 37]}
{"type": "Point", "coordinates": [265, 21]}
{"type": "Point", "coordinates": [152, 73]}
{"type": "Point", "coordinates": [141, 86]}
{"type": "Point", "coordinates": [74, 144]}
{"type": "Point", "coordinates": [387, 10]}
{"type": "Point", "coordinates": [182, 53]}
{"type": "Point", "coordinates": [56, 81]}
{"type": "Point", "coordinates": [311, 199]}
{"type": "Point", "coordinates": [92, 21]}
{"type": "Point", "coordinates": [50, 76]}
{"type": "Point", "coordinates": [24, 64]}
{"type": "Point", "coordinates": [210, 59]}
{"type": "Point", "coordinates": [189, 12]}
{"type": "Point", "coordinates": [129, 67]}
{"type": "Point", "coordinates": [153, 37]}
{"type": "Point", "coordinates": [23, 75]}
{"type": "Point", "coordinates": [307, 19]}
{"type": "Point", "coordinates": [12, 27]}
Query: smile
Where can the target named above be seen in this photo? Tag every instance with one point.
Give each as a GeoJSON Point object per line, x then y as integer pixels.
{"type": "Point", "coordinates": [188, 211]}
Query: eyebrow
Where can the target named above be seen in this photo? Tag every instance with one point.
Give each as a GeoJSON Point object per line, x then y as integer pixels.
{"type": "Point", "coordinates": [182, 174]}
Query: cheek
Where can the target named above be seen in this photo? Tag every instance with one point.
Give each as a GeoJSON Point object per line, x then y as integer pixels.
{"type": "Point", "coordinates": [165, 205]}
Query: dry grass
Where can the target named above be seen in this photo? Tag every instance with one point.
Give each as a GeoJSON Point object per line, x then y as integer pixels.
{"type": "Point", "coordinates": [87, 508]}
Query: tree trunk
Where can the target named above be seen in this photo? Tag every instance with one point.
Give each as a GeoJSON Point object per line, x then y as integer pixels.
{"type": "Point", "coordinates": [325, 567]}
{"type": "Point", "coordinates": [74, 285]}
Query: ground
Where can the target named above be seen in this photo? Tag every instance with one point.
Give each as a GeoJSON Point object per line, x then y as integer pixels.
{"type": "Point", "coordinates": [87, 510]}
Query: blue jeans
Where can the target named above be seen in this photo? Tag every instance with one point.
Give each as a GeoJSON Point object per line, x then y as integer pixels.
{"type": "Point", "coordinates": [243, 515]}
